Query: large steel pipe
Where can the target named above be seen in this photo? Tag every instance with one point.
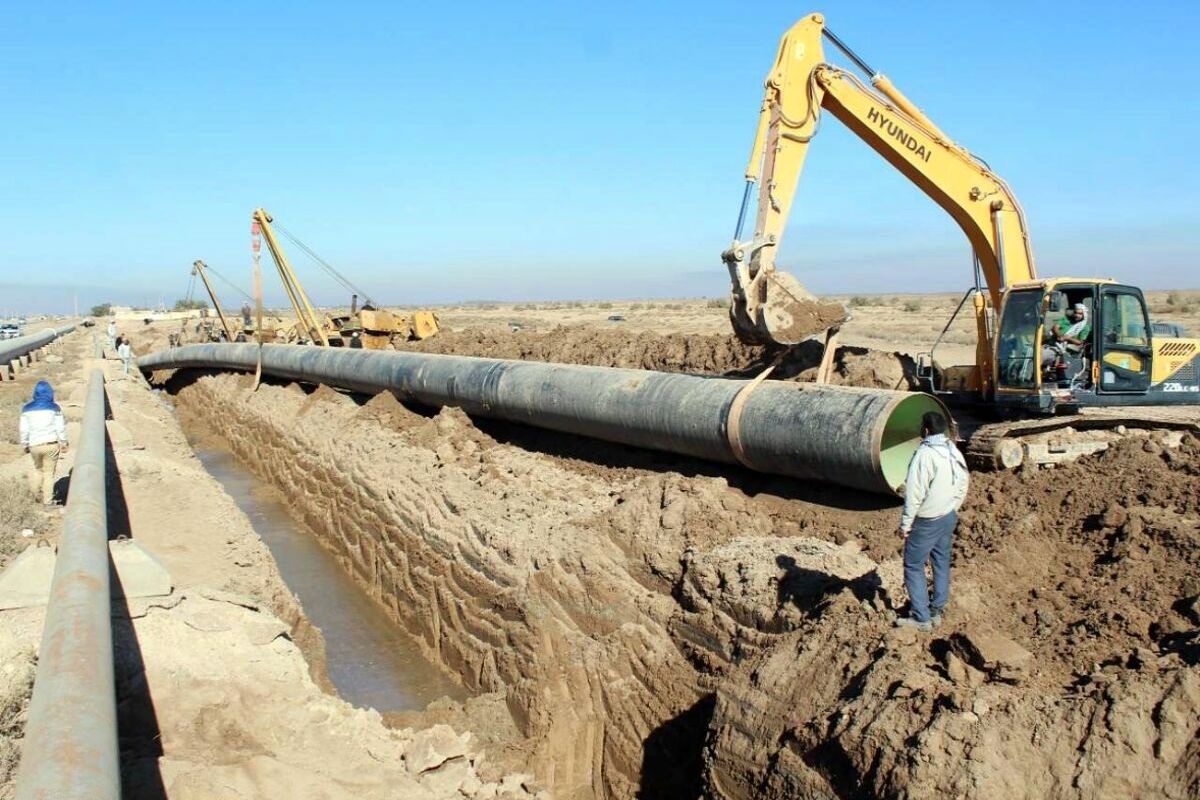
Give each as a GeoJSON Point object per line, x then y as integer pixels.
{"type": "Point", "coordinates": [70, 748]}
{"type": "Point", "coordinates": [862, 438]}
{"type": "Point", "coordinates": [24, 345]}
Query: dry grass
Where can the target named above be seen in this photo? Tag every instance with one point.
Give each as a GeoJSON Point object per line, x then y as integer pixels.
{"type": "Point", "coordinates": [16, 687]}
{"type": "Point", "coordinates": [18, 509]}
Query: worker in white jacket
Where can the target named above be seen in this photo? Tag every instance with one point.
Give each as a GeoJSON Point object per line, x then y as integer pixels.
{"type": "Point", "coordinates": [125, 352]}
{"type": "Point", "coordinates": [44, 436]}
{"type": "Point", "coordinates": [933, 492]}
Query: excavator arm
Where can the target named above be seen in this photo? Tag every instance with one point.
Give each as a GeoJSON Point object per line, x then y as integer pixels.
{"type": "Point", "coordinates": [799, 87]}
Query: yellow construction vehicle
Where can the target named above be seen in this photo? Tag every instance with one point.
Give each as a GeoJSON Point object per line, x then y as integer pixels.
{"type": "Point", "coordinates": [368, 327]}
{"type": "Point", "coordinates": [199, 268]}
{"type": "Point", "coordinates": [1119, 370]}
{"type": "Point", "coordinates": [228, 332]}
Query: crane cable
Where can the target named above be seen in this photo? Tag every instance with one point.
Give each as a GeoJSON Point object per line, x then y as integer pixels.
{"type": "Point", "coordinates": [329, 268]}
{"type": "Point", "coordinates": [229, 283]}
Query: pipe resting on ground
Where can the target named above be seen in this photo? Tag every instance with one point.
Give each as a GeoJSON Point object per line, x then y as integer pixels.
{"type": "Point", "coordinates": [860, 438]}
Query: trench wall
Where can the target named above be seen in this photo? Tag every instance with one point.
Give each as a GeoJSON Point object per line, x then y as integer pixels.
{"type": "Point", "coordinates": [491, 558]}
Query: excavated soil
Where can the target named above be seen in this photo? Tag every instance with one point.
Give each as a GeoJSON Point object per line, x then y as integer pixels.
{"type": "Point", "coordinates": [713, 354]}
{"type": "Point", "coordinates": [1067, 666]}
{"type": "Point", "coordinates": [220, 691]}
{"type": "Point", "coordinates": [663, 627]}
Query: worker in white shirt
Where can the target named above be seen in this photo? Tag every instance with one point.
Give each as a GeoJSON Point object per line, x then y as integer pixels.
{"type": "Point", "coordinates": [44, 436]}
{"type": "Point", "coordinates": [933, 492]}
{"type": "Point", "coordinates": [125, 352]}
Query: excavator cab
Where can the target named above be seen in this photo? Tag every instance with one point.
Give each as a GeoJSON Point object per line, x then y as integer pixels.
{"type": "Point", "coordinates": [1066, 342]}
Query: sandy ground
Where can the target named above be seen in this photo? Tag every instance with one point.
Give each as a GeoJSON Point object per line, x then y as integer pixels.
{"type": "Point", "coordinates": [909, 324]}
{"type": "Point", "coordinates": [638, 624]}
{"type": "Point", "coordinates": [661, 627]}
{"type": "Point", "coordinates": [216, 698]}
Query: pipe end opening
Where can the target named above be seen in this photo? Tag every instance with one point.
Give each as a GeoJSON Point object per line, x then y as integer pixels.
{"type": "Point", "coordinates": [902, 435]}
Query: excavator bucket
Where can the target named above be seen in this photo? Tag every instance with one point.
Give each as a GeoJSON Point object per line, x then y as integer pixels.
{"type": "Point", "coordinates": [776, 309]}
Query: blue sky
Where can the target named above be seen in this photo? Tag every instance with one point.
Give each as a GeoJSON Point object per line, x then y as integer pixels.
{"type": "Point", "coordinates": [439, 152]}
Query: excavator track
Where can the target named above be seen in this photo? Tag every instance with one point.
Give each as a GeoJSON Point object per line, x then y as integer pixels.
{"type": "Point", "coordinates": [1053, 440]}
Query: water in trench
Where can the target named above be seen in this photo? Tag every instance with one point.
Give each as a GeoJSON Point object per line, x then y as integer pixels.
{"type": "Point", "coordinates": [369, 659]}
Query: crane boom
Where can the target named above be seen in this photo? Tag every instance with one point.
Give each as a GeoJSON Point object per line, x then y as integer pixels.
{"type": "Point", "coordinates": [199, 268]}
{"type": "Point", "coordinates": [306, 315]}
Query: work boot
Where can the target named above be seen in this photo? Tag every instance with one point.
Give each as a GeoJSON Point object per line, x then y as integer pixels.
{"type": "Point", "coordinates": [909, 622]}
{"type": "Point", "coordinates": [935, 618]}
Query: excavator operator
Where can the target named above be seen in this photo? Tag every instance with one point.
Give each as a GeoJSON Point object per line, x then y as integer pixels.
{"type": "Point", "coordinates": [1068, 336]}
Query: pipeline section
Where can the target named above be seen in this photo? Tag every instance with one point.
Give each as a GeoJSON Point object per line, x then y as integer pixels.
{"type": "Point", "coordinates": [12, 349]}
{"type": "Point", "coordinates": [70, 750]}
{"type": "Point", "coordinates": [860, 438]}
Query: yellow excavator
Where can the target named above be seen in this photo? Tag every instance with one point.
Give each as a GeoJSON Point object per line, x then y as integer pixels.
{"type": "Point", "coordinates": [1105, 365]}
{"type": "Point", "coordinates": [367, 327]}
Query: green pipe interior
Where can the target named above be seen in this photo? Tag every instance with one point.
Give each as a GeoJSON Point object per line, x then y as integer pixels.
{"type": "Point", "coordinates": [902, 434]}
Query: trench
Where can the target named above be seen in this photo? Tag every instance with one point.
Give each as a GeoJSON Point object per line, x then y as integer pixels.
{"type": "Point", "coordinates": [369, 660]}
{"type": "Point", "coordinates": [500, 557]}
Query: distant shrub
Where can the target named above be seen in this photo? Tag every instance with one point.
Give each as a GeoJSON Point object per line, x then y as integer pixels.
{"type": "Point", "coordinates": [604, 306]}
{"type": "Point", "coordinates": [859, 301]}
{"type": "Point", "coordinates": [1179, 303]}
{"type": "Point", "coordinates": [912, 306]}
{"type": "Point", "coordinates": [718, 302]}
{"type": "Point", "coordinates": [635, 306]}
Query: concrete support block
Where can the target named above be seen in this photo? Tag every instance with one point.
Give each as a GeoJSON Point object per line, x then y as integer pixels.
{"type": "Point", "coordinates": [25, 582]}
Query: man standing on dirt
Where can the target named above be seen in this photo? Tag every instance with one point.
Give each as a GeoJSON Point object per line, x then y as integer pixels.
{"type": "Point", "coordinates": [934, 490]}
{"type": "Point", "coordinates": [112, 334]}
{"type": "Point", "coordinates": [44, 436]}
{"type": "Point", "coordinates": [125, 353]}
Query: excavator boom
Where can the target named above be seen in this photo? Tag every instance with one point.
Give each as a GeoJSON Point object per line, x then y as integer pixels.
{"type": "Point", "coordinates": [1023, 364]}
{"type": "Point", "coordinates": [799, 87]}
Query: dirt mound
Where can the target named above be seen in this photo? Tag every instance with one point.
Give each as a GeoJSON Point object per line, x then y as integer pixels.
{"type": "Point", "coordinates": [1071, 645]}
{"type": "Point", "coordinates": [713, 354]}
{"type": "Point", "coordinates": [580, 344]}
{"type": "Point", "coordinates": [1087, 561]}
{"type": "Point", "coordinates": [660, 626]}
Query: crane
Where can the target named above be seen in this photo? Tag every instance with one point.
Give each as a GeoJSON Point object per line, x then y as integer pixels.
{"type": "Point", "coordinates": [200, 268]}
{"type": "Point", "coordinates": [309, 325]}
{"type": "Point", "coordinates": [1017, 369]}
{"type": "Point", "coordinates": [368, 326]}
